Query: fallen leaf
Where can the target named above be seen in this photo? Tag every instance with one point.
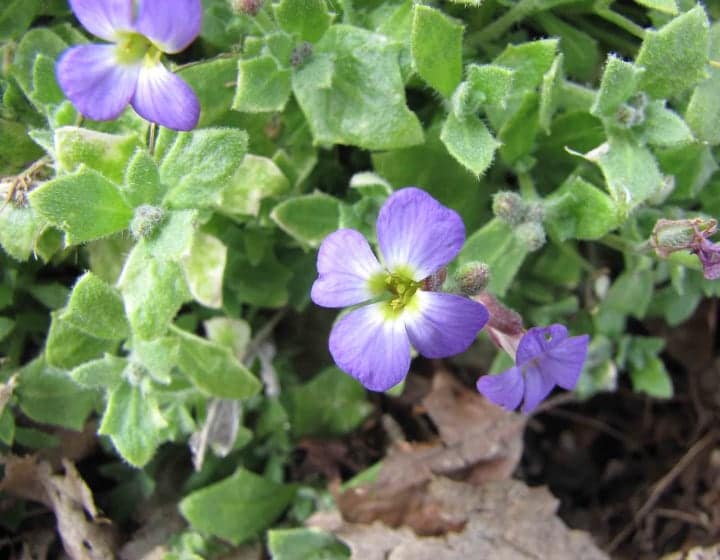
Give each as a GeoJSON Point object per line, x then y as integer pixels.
{"type": "Point", "coordinates": [505, 520]}
{"type": "Point", "coordinates": [68, 497]}
{"type": "Point", "coordinates": [479, 442]}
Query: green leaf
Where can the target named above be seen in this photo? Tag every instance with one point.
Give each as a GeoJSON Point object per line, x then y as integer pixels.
{"type": "Point", "coordinates": [46, 90]}
{"type": "Point", "coordinates": [308, 218]}
{"type": "Point", "coordinates": [173, 240]}
{"type": "Point", "coordinates": [232, 333]}
{"type": "Point", "coordinates": [199, 165]}
{"type": "Point", "coordinates": [134, 423]}
{"type": "Point", "coordinates": [495, 245]}
{"type": "Point", "coordinates": [257, 178]}
{"type": "Point", "coordinates": [351, 92]}
{"type": "Point", "coordinates": [16, 17]}
{"type": "Point", "coordinates": [437, 48]}
{"type": "Point", "coordinates": [579, 210]}
{"type": "Point", "coordinates": [692, 166]}
{"type": "Point", "coordinates": [40, 40]}
{"type": "Point", "coordinates": [664, 6]}
{"type": "Point", "coordinates": [85, 205]}
{"type": "Point", "coordinates": [331, 404]}
{"type": "Point", "coordinates": [105, 373]}
{"type": "Point", "coordinates": [237, 507]}
{"type": "Point", "coordinates": [67, 347]}
{"type": "Point", "coordinates": [47, 395]}
{"type": "Point", "coordinates": [204, 268]}
{"type": "Point", "coordinates": [663, 127]}
{"type": "Point", "coordinates": [518, 133]}
{"type": "Point", "coordinates": [630, 294]}
{"type": "Point", "coordinates": [16, 147]}
{"type": "Point", "coordinates": [492, 84]}
{"type": "Point", "coordinates": [158, 356]}
{"type": "Point", "coordinates": [153, 291]}
{"type": "Point", "coordinates": [307, 18]}
{"type": "Point", "coordinates": [96, 309]}
{"type": "Point", "coordinates": [581, 51]}
{"type": "Point", "coordinates": [210, 81]}
{"type": "Point", "coordinates": [19, 229]}
{"type": "Point", "coordinates": [530, 61]}
{"type": "Point", "coordinates": [630, 170]}
{"type": "Point", "coordinates": [550, 93]}
{"type": "Point", "coordinates": [262, 86]}
{"type": "Point", "coordinates": [142, 181]}
{"type": "Point", "coordinates": [703, 111]}
{"type": "Point", "coordinates": [6, 327]}
{"type": "Point", "coordinates": [308, 544]}
{"type": "Point", "coordinates": [469, 141]}
{"type": "Point", "coordinates": [262, 283]}
{"type": "Point", "coordinates": [675, 56]}
{"type": "Point", "coordinates": [652, 379]}
{"type": "Point", "coordinates": [213, 369]}
{"type": "Point", "coordinates": [620, 81]}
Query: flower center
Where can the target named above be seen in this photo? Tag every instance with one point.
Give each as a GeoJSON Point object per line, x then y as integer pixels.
{"type": "Point", "coordinates": [132, 47]}
{"type": "Point", "coordinates": [399, 286]}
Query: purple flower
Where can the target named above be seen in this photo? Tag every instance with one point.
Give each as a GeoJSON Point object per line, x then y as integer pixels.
{"type": "Point", "coordinates": [709, 255]}
{"type": "Point", "coordinates": [101, 80]}
{"type": "Point", "coordinates": [545, 357]}
{"type": "Point", "coordinates": [417, 237]}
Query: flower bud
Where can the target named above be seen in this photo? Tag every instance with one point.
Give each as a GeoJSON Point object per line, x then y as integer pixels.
{"type": "Point", "coordinates": [669, 236]}
{"type": "Point", "coordinates": [531, 234]}
{"type": "Point", "coordinates": [435, 281]}
{"type": "Point", "coordinates": [472, 278]}
{"type": "Point", "coordinates": [301, 53]}
{"type": "Point", "coordinates": [249, 7]}
{"type": "Point", "coordinates": [145, 220]}
{"type": "Point", "coordinates": [535, 212]}
{"type": "Point", "coordinates": [509, 207]}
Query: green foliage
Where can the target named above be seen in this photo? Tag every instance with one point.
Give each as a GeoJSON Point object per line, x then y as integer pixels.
{"type": "Point", "coordinates": [151, 278]}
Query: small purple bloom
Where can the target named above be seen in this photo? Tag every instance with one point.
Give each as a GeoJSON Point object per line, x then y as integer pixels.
{"type": "Point", "coordinates": [101, 80]}
{"type": "Point", "coordinates": [545, 357]}
{"type": "Point", "coordinates": [709, 255]}
{"type": "Point", "coordinates": [417, 236]}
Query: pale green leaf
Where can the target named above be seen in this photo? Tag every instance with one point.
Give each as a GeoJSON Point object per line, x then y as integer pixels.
{"type": "Point", "coordinates": [257, 178]}
{"type": "Point", "coordinates": [96, 309]}
{"type": "Point", "coordinates": [308, 218]}
{"type": "Point", "coordinates": [307, 18]}
{"type": "Point", "coordinates": [469, 141]}
{"type": "Point", "coordinates": [262, 86]}
{"type": "Point", "coordinates": [204, 268]}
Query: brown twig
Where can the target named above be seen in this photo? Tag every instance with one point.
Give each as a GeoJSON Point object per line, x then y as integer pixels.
{"type": "Point", "coordinates": [661, 486]}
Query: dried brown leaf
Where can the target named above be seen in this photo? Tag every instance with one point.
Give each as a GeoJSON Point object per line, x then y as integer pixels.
{"type": "Point", "coordinates": [506, 520]}
{"type": "Point", "coordinates": [68, 497]}
{"type": "Point", "coordinates": [479, 442]}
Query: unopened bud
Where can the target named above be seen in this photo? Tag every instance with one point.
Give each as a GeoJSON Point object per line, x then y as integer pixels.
{"type": "Point", "coordinates": [249, 7]}
{"type": "Point", "coordinates": [435, 281]}
{"type": "Point", "coordinates": [535, 212]}
{"type": "Point", "coordinates": [509, 207]}
{"type": "Point", "coordinates": [669, 236]}
{"type": "Point", "coordinates": [145, 220]}
{"type": "Point", "coordinates": [472, 278]}
{"type": "Point", "coordinates": [301, 53]}
{"type": "Point", "coordinates": [531, 234]}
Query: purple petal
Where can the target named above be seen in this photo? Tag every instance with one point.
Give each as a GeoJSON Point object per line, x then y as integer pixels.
{"type": "Point", "coordinates": [373, 349]}
{"type": "Point", "coordinates": [345, 264]}
{"type": "Point", "coordinates": [164, 98]}
{"type": "Point", "coordinates": [538, 340]}
{"type": "Point", "coordinates": [445, 324]}
{"type": "Point", "coordinates": [538, 384]}
{"type": "Point", "coordinates": [171, 24]}
{"type": "Point", "coordinates": [414, 229]}
{"type": "Point", "coordinates": [709, 254]}
{"type": "Point", "coordinates": [92, 79]}
{"type": "Point", "coordinates": [504, 389]}
{"type": "Point", "coordinates": [564, 362]}
{"type": "Point", "coordinates": [103, 18]}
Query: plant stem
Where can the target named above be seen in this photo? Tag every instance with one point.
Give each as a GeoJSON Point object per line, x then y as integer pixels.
{"type": "Point", "coordinates": [602, 9]}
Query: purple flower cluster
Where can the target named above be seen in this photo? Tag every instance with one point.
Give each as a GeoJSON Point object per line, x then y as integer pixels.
{"type": "Point", "coordinates": [669, 236]}
{"type": "Point", "coordinates": [417, 237]}
{"type": "Point", "coordinates": [102, 79]}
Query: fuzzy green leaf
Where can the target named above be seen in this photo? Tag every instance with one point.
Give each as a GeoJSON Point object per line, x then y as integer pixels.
{"type": "Point", "coordinates": [620, 81]}
{"type": "Point", "coordinates": [142, 181]}
{"type": "Point", "coordinates": [134, 423]}
{"type": "Point", "coordinates": [67, 347]}
{"type": "Point", "coordinates": [703, 111]}
{"type": "Point", "coordinates": [262, 86]}
{"type": "Point", "coordinates": [437, 48]}
{"type": "Point", "coordinates": [309, 544]}
{"type": "Point", "coordinates": [213, 369]}
{"type": "Point", "coordinates": [674, 57]}
{"type": "Point", "coordinates": [308, 218]}
{"type": "Point", "coordinates": [204, 268]}
{"type": "Point", "coordinates": [237, 507]}
{"type": "Point", "coordinates": [470, 142]}
{"type": "Point", "coordinates": [85, 205]}
{"type": "Point", "coordinates": [257, 178]}
{"type": "Point", "coordinates": [96, 309]}
{"type": "Point", "coordinates": [351, 92]}
{"type": "Point", "coordinates": [105, 373]}
{"type": "Point", "coordinates": [307, 18]}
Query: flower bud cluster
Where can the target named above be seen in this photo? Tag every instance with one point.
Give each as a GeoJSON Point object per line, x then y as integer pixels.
{"type": "Point", "coordinates": [145, 220]}
{"type": "Point", "coordinates": [525, 218]}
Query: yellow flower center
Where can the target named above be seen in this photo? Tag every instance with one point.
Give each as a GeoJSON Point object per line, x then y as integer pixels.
{"type": "Point", "coordinates": [398, 287]}
{"type": "Point", "coordinates": [133, 47]}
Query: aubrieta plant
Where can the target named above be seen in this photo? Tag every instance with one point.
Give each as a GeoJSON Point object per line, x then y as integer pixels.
{"type": "Point", "coordinates": [158, 283]}
{"type": "Point", "coordinates": [417, 236]}
{"type": "Point", "coordinates": [101, 80]}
